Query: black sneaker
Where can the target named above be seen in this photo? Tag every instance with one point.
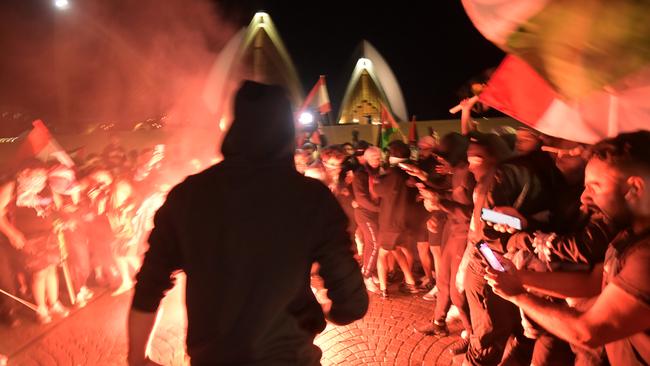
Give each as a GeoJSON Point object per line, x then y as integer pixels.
{"type": "Point", "coordinates": [433, 328]}
{"type": "Point", "coordinates": [409, 289]}
{"type": "Point", "coordinates": [394, 277]}
{"type": "Point", "coordinates": [459, 347]}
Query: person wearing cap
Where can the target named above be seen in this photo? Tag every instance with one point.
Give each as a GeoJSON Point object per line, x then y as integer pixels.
{"type": "Point", "coordinates": [246, 232]}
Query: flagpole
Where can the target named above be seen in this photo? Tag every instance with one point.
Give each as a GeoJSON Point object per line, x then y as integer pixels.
{"type": "Point", "coordinates": [64, 264]}
{"type": "Point", "coordinates": [18, 299]}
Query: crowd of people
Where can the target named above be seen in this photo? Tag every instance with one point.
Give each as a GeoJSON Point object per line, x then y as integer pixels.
{"type": "Point", "coordinates": [91, 219]}
{"type": "Point", "coordinates": [417, 216]}
{"type": "Point", "coordinates": [570, 282]}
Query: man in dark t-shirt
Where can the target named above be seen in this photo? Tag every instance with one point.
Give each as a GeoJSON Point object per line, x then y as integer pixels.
{"type": "Point", "coordinates": [617, 186]}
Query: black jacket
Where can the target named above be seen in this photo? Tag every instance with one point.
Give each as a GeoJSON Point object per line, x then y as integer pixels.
{"type": "Point", "coordinates": [246, 232]}
{"type": "Point", "coordinates": [368, 209]}
{"type": "Point", "coordinates": [397, 206]}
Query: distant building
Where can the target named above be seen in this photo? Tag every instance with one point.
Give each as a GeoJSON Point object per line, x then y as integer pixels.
{"type": "Point", "coordinates": [371, 84]}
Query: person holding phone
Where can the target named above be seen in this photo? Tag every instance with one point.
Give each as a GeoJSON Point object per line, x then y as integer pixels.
{"type": "Point", "coordinates": [617, 185]}
{"type": "Point", "coordinates": [502, 181]}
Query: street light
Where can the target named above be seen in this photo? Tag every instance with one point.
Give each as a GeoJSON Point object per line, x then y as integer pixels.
{"type": "Point", "coordinates": [306, 118]}
{"type": "Point", "coordinates": [61, 4]}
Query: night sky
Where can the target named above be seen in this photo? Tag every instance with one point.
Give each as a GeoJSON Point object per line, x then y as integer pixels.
{"type": "Point", "coordinates": [432, 46]}
{"type": "Point", "coordinates": [126, 61]}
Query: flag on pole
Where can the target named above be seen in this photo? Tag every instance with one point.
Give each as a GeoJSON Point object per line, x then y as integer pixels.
{"type": "Point", "coordinates": [389, 126]}
{"type": "Point", "coordinates": [40, 144]}
{"type": "Point", "coordinates": [318, 97]}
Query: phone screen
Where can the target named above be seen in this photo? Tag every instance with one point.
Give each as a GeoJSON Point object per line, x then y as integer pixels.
{"type": "Point", "coordinates": [499, 218]}
{"type": "Point", "coordinates": [489, 256]}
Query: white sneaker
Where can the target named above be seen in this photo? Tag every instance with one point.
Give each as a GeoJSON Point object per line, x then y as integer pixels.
{"type": "Point", "coordinates": [431, 295]}
{"type": "Point", "coordinates": [452, 313]}
{"type": "Point", "coordinates": [125, 287]}
{"type": "Point", "coordinates": [371, 286]}
{"type": "Point", "coordinates": [59, 310]}
{"type": "Point", "coordinates": [375, 279]}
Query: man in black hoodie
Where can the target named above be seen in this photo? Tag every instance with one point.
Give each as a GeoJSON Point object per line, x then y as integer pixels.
{"type": "Point", "coordinates": [251, 214]}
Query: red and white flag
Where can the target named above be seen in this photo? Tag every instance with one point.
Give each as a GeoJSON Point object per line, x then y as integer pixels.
{"type": "Point", "coordinates": [318, 97]}
{"type": "Point", "coordinates": [40, 144]}
{"type": "Point", "coordinates": [518, 91]}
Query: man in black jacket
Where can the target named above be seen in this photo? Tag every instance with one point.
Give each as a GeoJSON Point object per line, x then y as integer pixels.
{"type": "Point", "coordinates": [366, 212]}
{"type": "Point", "coordinates": [252, 214]}
{"type": "Point", "coordinates": [397, 204]}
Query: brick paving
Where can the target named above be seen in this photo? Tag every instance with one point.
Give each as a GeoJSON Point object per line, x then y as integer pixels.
{"type": "Point", "coordinates": [95, 335]}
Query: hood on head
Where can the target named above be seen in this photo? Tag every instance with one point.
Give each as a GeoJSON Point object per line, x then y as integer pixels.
{"type": "Point", "coordinates": [263, 125]}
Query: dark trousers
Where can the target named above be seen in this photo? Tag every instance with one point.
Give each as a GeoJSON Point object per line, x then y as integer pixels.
{"type": "Point", "coordinates": [550, 350]}
{"type": "Point", "coordinates": [452, 254]}
{"type": "Point", "coordinates": [493, 319]}
{"type": "Point", "coordinates": [369, 231]}
{"type": "Point", "coordinates": [545, 350]}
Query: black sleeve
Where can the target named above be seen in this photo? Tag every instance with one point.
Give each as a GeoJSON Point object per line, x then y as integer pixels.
{"type": "Point", "coordinates": [438, 182]}
{"type": "Point", "coordinates": [162, 259]}
{"type": "Point", "coordinates": [463, 204]}
{"type": "Point", "coordinates": [338, 268]}
{"type": "Point", "coordinates": [504, 190]}
{"type": "Point", "coordinates": [456, 209]}
{"type": "Point", "coordinates": [386, 184]}
{"type": "Point", "coordinates": [362, 192]}
{"type": "Point", "coordinates": [584, 246]}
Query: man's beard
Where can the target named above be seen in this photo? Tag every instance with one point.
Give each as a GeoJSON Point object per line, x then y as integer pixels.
{"type": "Point", "coordinates": [621, 216]}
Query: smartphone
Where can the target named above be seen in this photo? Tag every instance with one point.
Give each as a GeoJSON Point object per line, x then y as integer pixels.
{"type": "Point", "coordinates": [489, 256]}
{"type": "Point", "coordinates": [500, 218]}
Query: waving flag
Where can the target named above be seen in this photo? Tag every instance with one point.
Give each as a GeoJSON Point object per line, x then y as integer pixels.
{"type": "Point", "coordinates": [40, 144]}
{"type": "Point", "coordinates": [577, 69]}
{"type": "Point", "coordinates": [388, 128]}
{"type": "Point", "coordinates": [318, 97]}
{"type": "Point", "coordinates": [518, 91]}
{"type": "Point", "coordinates": [577, 46]}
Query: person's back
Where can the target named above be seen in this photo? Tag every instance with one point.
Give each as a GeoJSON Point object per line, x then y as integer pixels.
{"type": "Point", "coordinates": [397, 201]}
{"type": "Point", "coordinates": [246, 232]}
